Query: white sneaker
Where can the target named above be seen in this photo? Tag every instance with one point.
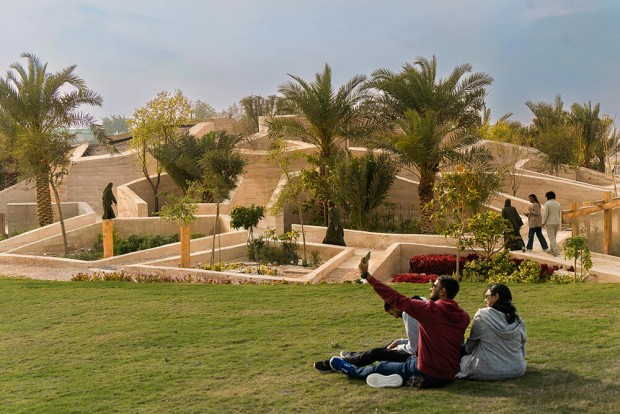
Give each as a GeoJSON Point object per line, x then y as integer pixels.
{"type": "Point", "coordinates": [384, 381]}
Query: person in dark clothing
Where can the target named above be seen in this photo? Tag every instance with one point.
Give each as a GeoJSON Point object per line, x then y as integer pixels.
{"type": "Point", "coordinates": [513, 240]}
{"type": "Point", "coordinates": [442, 324]}
{"type": "Point", "coordinates": [107, 200]}
{"type": "Point", "coordinates": [335, 232]}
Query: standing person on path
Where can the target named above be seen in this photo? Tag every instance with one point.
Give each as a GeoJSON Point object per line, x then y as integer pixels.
{"type": "Point", "coordinates": [107, 199]}
{"type": "Point", "coordinates": [534, 222]}
{"type": "Point", "coordinates": [552, 219]}
{"type": "Point", "coordinates": [442, 324]}
{"type": "Point", "coordinates": [513, 240]}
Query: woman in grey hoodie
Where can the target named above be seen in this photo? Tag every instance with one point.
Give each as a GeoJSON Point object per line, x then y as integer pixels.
{"type": "Point", "coordinates": [496, 345]}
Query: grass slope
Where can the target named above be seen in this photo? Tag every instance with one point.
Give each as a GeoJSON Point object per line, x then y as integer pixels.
{"type": "Point", "coordinates": [149, 348]}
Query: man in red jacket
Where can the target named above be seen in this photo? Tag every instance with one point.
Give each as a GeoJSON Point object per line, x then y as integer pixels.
{"type": "Point", "coordinates": [442, 325]}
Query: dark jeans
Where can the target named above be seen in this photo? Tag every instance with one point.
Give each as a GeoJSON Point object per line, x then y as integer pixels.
{"type": "Point", "coordinates": [377, 354]}
{"type": "Point", "coordinates": [408, 370]}
{"type": "Point", "coordinates": [541, 239]}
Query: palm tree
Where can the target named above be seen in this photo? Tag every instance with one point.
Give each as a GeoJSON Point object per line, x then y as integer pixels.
{"type": "Point", "coordinates": [330, 116]}
{"type": "Point", "coordinates": [591, 132]}
{"type": "Point", "coordinates": [457, 99]}
{"type": "Point", "coordinates": [363, 184]}
{"type": "Point", "coordinates": [181, 160]}
{"type": "Point", "coordinates": [428, 145]}
{"type": "Point", "coordinates": [435, 116]}
{"type": "Point", "coordinates": [36, 109]}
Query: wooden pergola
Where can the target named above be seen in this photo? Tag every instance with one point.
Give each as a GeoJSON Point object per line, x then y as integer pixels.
{"type": "Point", "coordinates": [606, 205]}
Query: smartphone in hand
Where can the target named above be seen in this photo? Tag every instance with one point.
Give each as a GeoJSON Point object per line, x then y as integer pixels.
{"type": "Point", "coordinates": [367, 257]}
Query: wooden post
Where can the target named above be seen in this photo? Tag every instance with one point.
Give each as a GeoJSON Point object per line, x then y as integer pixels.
{"type": "Point", "coordinates": [2, 226]}
{"type": "Point", "coordinates": [607, 224]}
{"type": "Point", "coordinates": [108, 240]}
{"type": "Point", "coordinates": [586, 220]}
{"type": "Point", "coordinates": [185, 246]}
{"type": "Point", "coordinates": [575, 221]}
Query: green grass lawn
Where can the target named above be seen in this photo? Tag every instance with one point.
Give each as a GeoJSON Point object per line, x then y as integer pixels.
{"type": "Point", "coordinates": [176, 348]}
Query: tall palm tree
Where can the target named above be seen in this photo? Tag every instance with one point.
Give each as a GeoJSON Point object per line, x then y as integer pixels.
{"type": "Point", "coordinates": [428, 144]}
{"type": "Point", "coordinates": [591, 132]}
{"type": "Point", "coordinates": [36, 110]}
{"type": "Point", "coordinates": [331, 116]}
{"type": "Point", "coordinates": [457, 99]}
{"type": "Point", "coordinates": [435, 116]}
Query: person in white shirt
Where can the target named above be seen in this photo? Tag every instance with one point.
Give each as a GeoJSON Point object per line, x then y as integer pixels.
{"type": "Point", "coordinates": [398, 350]}
{"type": "Point", "coordinates": [552, 219]}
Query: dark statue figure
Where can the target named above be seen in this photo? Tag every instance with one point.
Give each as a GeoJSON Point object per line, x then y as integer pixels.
{"type": "Point", "coordinates": [335, 232]}
{"type": "Point", "coordinates": [107, 200]}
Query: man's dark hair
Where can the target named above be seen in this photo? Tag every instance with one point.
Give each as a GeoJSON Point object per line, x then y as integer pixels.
{"type": "Point", "coordinates": [450, 284]}
{"type": "Point", "coordinates": [550, 195]}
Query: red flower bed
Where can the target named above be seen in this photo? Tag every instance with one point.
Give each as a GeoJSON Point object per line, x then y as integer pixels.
{"type": "Point", "coordinates": [440, 264]}
{"type": "Point", "coordinates": [414, 278]}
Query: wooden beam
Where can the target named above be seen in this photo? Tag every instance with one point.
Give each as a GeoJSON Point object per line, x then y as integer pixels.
{"type": "Point", "coordinates": [592, 209]}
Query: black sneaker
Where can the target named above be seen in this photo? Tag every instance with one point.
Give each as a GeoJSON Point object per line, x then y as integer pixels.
{"type": "Point", "coordinates": [323, 367]}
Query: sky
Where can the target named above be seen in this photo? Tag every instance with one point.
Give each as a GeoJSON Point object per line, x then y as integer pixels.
{"type": "Point", "coordinates": [220, 51]}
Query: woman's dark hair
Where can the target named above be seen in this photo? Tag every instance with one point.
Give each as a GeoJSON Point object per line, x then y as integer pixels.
{"type": "Point", "coordinates": [504, 301]}
{"type": "Point", "coordinates": [535, 198]}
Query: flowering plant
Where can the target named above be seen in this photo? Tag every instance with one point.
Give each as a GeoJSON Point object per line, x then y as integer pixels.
{"type": "Point", "coordinates": [414, 278]}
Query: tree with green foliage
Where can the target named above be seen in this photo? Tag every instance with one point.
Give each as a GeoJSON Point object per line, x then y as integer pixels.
{"type": "Point", "coordinates": [361, 185]}
{"type": "Point", "coordinates": [486, 232]}
{"type": "Point", "coordinates": [181, 160]}
{"type": "Point", "coordinates": [248, 218]}
{"type": "Point", "coordinates": [460, 195]}
{"type": "Point", "coordinates": [221, 166]}
{"type": "Point", "coordinates": [292, 191]}
{"type": "Point", "coordinates": [202, 110]}
{"type": "Point", "coordinates": [430, 146]}
{"type": "Point", "coordinates": [37, 108]}
{"type": "Point", "coordinates": [331, 116]}
{"type": "Point", "coordinates": [182, 209]}
{"type": "Point", "coordinates": [436, 118]}
{"type": "Point", "coordinates": [155, 124]}
{"type": "Point", "coordinates": [255, 106]}
{"type": "Point", "coordinates": [590, 129]}
{"type": "Point", "coordinates": [115, 124]}
{"type": "Point", "coordinates": [576, 248]}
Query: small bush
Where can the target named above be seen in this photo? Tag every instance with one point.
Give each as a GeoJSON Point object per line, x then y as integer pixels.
{"type": "Point", "coordinates": [502, 268]}
{"type": "Point", "coordinates": [414, 278]}
{"type": "Point", "coordinates": [274, 249]}
{"type": "Point", "coordinates": [315, 258]}
{"type": "Point", "coordinates": [86, 255]}
{"type": "Point", "coordinates": [439, 264]}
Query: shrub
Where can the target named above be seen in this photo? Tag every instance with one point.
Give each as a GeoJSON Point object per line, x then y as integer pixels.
{"type": "Point", "coordinates": [270, 248]}
{"type": "Point", "coordinates": [439, 264]}
{"type": "Point", "coordinates": [133, 243]}
{"type": "Point", "coordinates": [315, 258]}
{"type": "Point", "coordinates": [414, 278]}
{"type": "Point", "coordinates": [502, 268]}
